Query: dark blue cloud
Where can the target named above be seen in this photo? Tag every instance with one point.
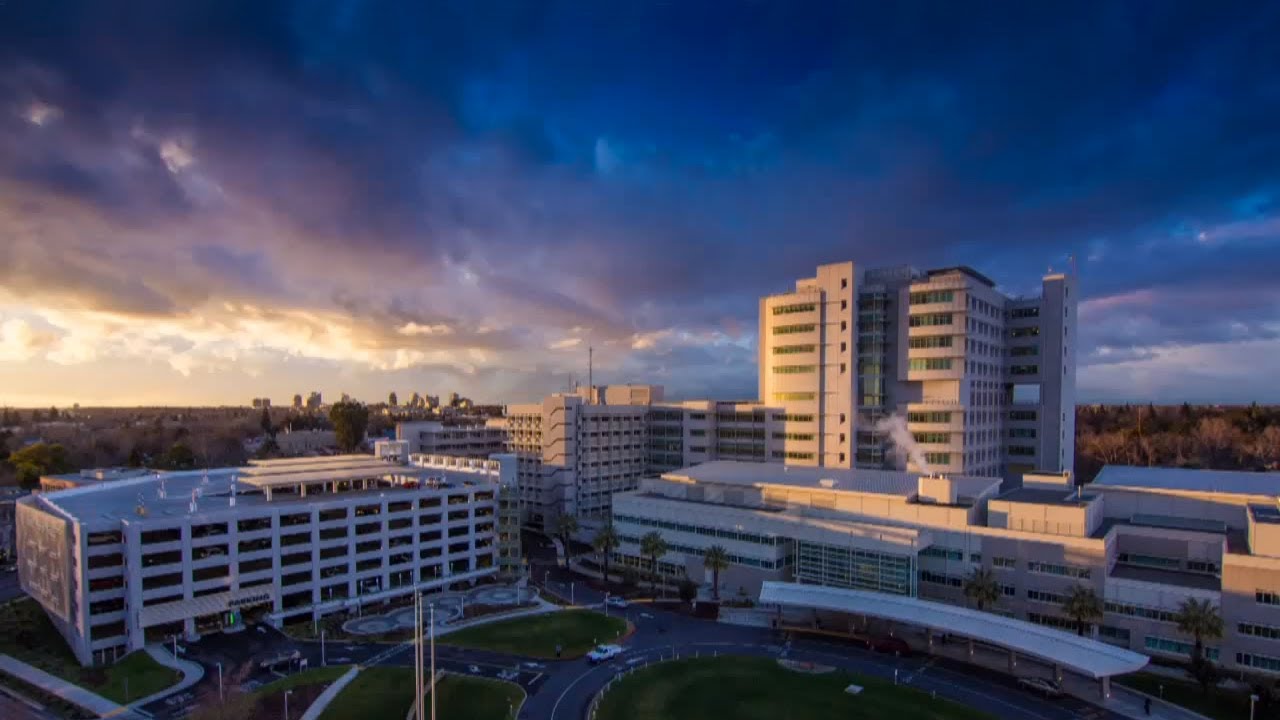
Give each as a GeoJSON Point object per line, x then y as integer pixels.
{"type": "Point", "coordinates": [641, 166]}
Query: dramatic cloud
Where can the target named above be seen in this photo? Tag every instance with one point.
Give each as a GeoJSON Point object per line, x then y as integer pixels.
{"type": "Point", "coordinates": [215, 199]}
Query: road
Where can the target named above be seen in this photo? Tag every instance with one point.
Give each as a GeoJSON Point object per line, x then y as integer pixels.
{"type": "Point", "coordinates": [11, 709]}
{"type": "Point", "coordinates": [562, 690]}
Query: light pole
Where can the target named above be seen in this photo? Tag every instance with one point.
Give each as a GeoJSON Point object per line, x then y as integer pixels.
{"type": "Point", "coordinates": [287, 693]}
{"type": "Point", "coordinates": [571, 602]}
{"type": "Point", "coordinates": [605, 605]}
{"type": "Point", "coordinates": [322, 662]}
{"type": "Point", "coordinates": [1252, 699]}
{"type": "Point", "coordinates": [221, 697]}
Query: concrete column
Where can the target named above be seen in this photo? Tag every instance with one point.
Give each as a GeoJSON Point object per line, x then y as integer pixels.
{"type": "Point", "coordinates": [1057, 673]}
{"type": "Point", "coordinates": [189, 629]}
{"type": "Point", "coordinates": [1013, 660]}
{"type": "Point", "coordinates": [929, 636]}
{"type": "Point", "coordinates": [1104, 685]}
{"type": "Point", "coordinates": [970, 649]}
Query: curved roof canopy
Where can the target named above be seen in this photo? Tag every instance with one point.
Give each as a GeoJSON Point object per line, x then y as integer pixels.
{"type": "Point", "coordinates": [1083, 655]}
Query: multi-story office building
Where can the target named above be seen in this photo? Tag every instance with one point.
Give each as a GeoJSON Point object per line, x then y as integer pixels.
{"type": "Point", "coordinates": [115, 564]}
{"type": "Point", "coordinates": [1143, 539]}
{"type": "Point", "coordinates": [470, 439]}
{"type": "Point", "coordinates": [985, 382]}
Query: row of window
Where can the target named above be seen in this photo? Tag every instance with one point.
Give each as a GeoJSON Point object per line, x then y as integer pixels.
{"type": "Point", "coordinates": [1029, 433]}
{"type": "Point", "coordinates": [1073, 571]}
{"type": "Point", "coordinates": [796, 308]}
{"type": "Point", "coordinates": [931, 296]}
{"type": "Point", "coordinates": [1024, 351]}
{"type": "Point", "coordinates": [937, 416]}
{"type": "Point", "coordinates": [792, 455]}
{"type": "Point", "coordinates": [1141, 611]}
{"type": "Point", "coordinates": [944, 553]}
{"type": "Point", "coordinates": [1045, 597]}
{"type": "Point", "coordinates": [794, 369]}
{"type": "Point", "coordinates": [700, 530]}
{"type": "Point", "coordinates": [930, 364]}
{"type": "Point", "coordinates": [794, 329]}
{"type": "Point", "coordinates": [941, 579]}
{"type": "Point", "coordinates": [932, 438]}
{"type": "Point", "coordinates": [792, 436]}
{"type": "Point", "coordinates": [784, 417]}
{"type": "Point", "coordinates": [930, 341]}
{"type": "Point", "coordinates": [930, 320]}
{"type": "Point", "coordinates": [937, 458]}
{"type": "Point", "coordinates": [1176, 647]}
{"type": "Point", "coordinates": [1267, 597]}
{"type": "Point", "coordinates": [1266, 632]}
{"type": "Point", "coordinates": [794, 349]}
{"type": "Point", "coordinates": [1024, 369]}
{"type": "Point", "coordinates": [794, 396]}
{"type": "Point", "coordinates": [1262, 662]}
{"type": "Point", "coordinates": [1023, 313]}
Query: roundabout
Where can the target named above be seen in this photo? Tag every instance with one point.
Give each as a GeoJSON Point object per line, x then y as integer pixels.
{"type": "Point", "coordinates": [449, 608]}
{"type": "Point", "coordinates": [765, 688]}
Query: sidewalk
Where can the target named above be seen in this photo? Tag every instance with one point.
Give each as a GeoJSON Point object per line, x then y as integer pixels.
{"type": "Point", "coordinates": [74, 694]}
{"type": "Point", "coordinates": [330, 693]}
{"type": "Point", "coordinates": [1129, 702]}
{"type": "Point", "coordinates": [192, 673]}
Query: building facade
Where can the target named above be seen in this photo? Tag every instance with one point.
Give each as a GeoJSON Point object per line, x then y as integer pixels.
{"type": "Point", "coordinates": [118, 564]}
{"type": "Point", "coordinates": [474, 439]}
{"type": "Point", "coordinates": [1143, 539]}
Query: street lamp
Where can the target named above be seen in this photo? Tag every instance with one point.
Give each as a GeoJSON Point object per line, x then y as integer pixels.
{"type": "Point", "coordinates": [571, 602]}
{"type": "Point", "coordinates": [221, 698]}
{"type": "Point", "coordinates": [287, 693]}
{"type": "Point", "coordinates": [1252, 699]}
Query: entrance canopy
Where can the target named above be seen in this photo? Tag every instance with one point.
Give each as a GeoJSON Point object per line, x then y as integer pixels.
{"type": "Point", "coordinates": [1083, 655]}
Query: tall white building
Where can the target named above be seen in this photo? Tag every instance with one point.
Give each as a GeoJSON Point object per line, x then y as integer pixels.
{"type": "Point", "coordinates": [985, 382]}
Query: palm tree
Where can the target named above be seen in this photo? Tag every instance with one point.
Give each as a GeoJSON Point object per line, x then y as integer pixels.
{"type": "Point", "coordinates": [1083, 606]}
{"type": "Point", "coordinates": [715, 560]}
{"type": "Point", "coordinates": [1200, 620]}
{"type": "Point", "coordinates": [653, 547]}
{"type": "Point", "coordinates": [605, 542]}
{"type": "Point", "coordinates": [565, 526]}
{"type": "Point", "coordinates": [981, 587]}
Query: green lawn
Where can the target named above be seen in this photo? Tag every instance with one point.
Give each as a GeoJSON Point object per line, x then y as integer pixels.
{"type": "Point", "coordinates": [387, 692]}
{"type": "Point", "coordinates": [1223, 704]}
{"type": "Point", "coordinates": [576, 631]}
{"type": "Point", "coordinates": [306, 677]}
{"type": "Point", "coordinates": [749, 688]}
{"type": "Point", "coordinates": [27, 634]}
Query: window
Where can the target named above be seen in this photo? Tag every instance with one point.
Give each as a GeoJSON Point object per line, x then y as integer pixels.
{"type": "Point", "coordinates": [1063, 570]}
{"type": "Point", "coordinates": [1022, 432]}
{"type": "Point", "coordinates": [296, 519]}
{"type": "Point", "coordinates": [792, 455]}
{"type": "Point", "coordinates": [793, 349]}
{"type": "Point", "coordinates": [930, 341]}
{"type": "Point", "coordinates": [249, 566]}
{"type": "Point", "coordinates": [929, 417]}
{"type": "Point", "coordinates": [210, 573]}
{"type": "Point", "coordinates": [794, 329]}
{"type": "Point", "coordinates": [200, 531]}
{"type": "Point", "coordinates": [1267, 597]}
{"type": "Point", "coordinates": [1003, 562]}
{"type": "Point", "coordinates": [1024, 351]}
{"type": "Point", "coordinates": [1045, 597]}
{"type": "Point", "coordinates": [783, 417]}
{"type": "Point", "coordinates": [1023, 313]}
{"type": "Point", "coordinates": [159, 581]}
{"type": "Point", "coordinates": [940, 579]}
{"type": "Point", "coordinates": [1176, 647]}
{"type": "Point", "coordinates": [1141, 611]}
{"type": "Point", "coordinates": [101, 561]}
{"type": "Point", "coordinates": [160, 558]}
{"type": "Point", "coordinates": [1262, 662]}
{"type": "Point", "coordinates": [931, 296]}
{"type": "Point", "coordinates": [1024, 369]}
{"type": "Point", "coordinates": [162, 536]}
{"type": "Point", "coordinates": [932, 438]}
{"type": "Point", "coordinates": [795, 308]}
{"type": "Point", "coordinates": [794, 396]}
{"type": "Point", "coordinates": [930, 320]}
{"type": "Point", "coordinates": [930, 364]}
{"type": "Point", "coordinates": [945, 553]}
{"type": "Point", "coordinates": [792, 436]}
{"type": "Point", "coordinates": [1266, 632]}
{"type": "Point", "coordinates": [937, 458]}
{"type": "Point", "coordinates": [794, 369]}
{"type": "Point", "coordinates": [1115, 634]}
{"type": "Point", "coordinates": [1021, 451]}
{"type": "Point", "coordinates": [1022, 415]}
{"type": "Point", "coordinates": [1026, 332]}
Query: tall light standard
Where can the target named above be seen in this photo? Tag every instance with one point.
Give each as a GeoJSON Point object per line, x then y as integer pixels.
{"type": "Point", "coordinates": [221, 697]}
{"type": "Point", "coordinates": [322, 661]}
{"type": "Point", "coordinates": [287, 693]}
{"type": "Point", "coordinates": [571, 602]}
{"type": "Point", "coordinates": [1252, 699]}
{"type": "Point", "coordinates": [433, 661]}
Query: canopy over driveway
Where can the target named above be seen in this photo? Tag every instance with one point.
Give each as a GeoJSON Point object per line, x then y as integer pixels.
{"type": "Point", "coordinates": [1087, 657]}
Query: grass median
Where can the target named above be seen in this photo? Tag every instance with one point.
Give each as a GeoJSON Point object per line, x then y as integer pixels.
{"type": "Point", "coordinates": [387, 692]}
{"type": "Point", "coordinates": [574, 631]}
{"type": "Point", "coordinates": [750, 688]}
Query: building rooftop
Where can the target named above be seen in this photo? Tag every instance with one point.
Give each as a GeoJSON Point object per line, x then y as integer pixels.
{"type": "Point", "coordinates": [1269, 514]}
{"type": "Point", "coordinates": [965, 270]}
{"type": "Point", "coordinates": [879, 482]}
{"type": "Point", "coordinates": [1045, 496]}
{"type": "Point", "coordinates": [1195, 581]}
{"type": "Point", "coordinates": [1226, 482]}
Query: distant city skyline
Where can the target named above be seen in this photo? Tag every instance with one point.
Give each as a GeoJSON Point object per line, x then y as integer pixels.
{"type": "Point", "coordinates": [210, 202]}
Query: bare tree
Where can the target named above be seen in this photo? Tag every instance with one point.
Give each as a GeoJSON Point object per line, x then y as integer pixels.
{"type": "Point", "coordinates": [1266, 447]}
{"type": "Point", "coordinates": [1216, 442]}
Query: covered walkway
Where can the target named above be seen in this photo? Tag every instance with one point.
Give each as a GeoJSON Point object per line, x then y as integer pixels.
{"type": "Point", "coordinates": [1081, 655]}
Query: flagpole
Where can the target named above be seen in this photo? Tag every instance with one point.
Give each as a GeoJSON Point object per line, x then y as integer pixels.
{"type": "Point", "coordinates": [433, 661]}
{"type": "Point", "coordinates": [417, 652]}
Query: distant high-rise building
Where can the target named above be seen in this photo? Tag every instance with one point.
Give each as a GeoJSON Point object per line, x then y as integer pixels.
{"type": "Point", "coordinates": [259, 403]}
{"type": "Point", "coordinates": [314, 401]}
{"type": "Point", "coordinates": [297, 402]}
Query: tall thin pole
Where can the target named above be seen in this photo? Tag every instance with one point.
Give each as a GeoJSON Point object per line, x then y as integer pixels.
{"type": "Point", "coordinates": [417, 652]}
{"type": "Point", "coordinates": [591, 383]}
{"type": "Point", "coordinates": [433, 661]}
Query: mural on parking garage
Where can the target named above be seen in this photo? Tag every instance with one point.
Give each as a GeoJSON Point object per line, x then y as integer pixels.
{"type": "Point", "coordinates": [44, 559]}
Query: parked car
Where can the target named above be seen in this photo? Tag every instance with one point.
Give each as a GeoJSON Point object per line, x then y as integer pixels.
{"type": "Point", "coordinates": [616, 602]}
{"type": "Point", "coordinates": [1041, 686]}
{"type": "Point", "coordinates": [603, 652]}
{"type": "Point", "coordinates": [890, 645]}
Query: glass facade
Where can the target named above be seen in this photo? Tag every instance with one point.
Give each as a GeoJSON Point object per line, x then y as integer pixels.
{"type": "Point", "coordinates": [848, 567]}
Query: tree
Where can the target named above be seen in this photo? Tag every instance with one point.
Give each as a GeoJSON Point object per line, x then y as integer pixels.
{"type": "Point", "coordinates": [981, 587]}
{"type": "Point", "coordinates": [179, 457]}
{"type": "Point", "coordinates": [653, 546]}
{"type": "Point", "coordinates": [605, 542]}
{"type": "Point", "coordinates": [265, 423]}
{"type": "Point", "coordinates": [34, 461]}
{"type": "Point", "coordinates": [1200, 620]}
{"type": "Point", "coordinates": [350, 419]}
{"type": "Point", "coordinates": [565, 526]}
{"type": "Point", "coordinates": [715, 560]}
{"type": "Point", "coordinates": [297, 402]}
{"type": "Point", "coordinates": [688, 590]}
{"type": "Point", "coordinates": [392, 400]}
{"type": "Point", "coordinates": [53, 413]}
{"type": "Point", "coordinates": [1266, 447]}
{"type": "Point", "coordinates": [136, 457]}
{"type": "Point", "coordinates": [1083, 606]}
{"type": "Point", "coordinates": [1216, 440]}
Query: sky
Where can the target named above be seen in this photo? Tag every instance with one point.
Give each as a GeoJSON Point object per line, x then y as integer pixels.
{"type": "Point", "coordinates": [207, 201]}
